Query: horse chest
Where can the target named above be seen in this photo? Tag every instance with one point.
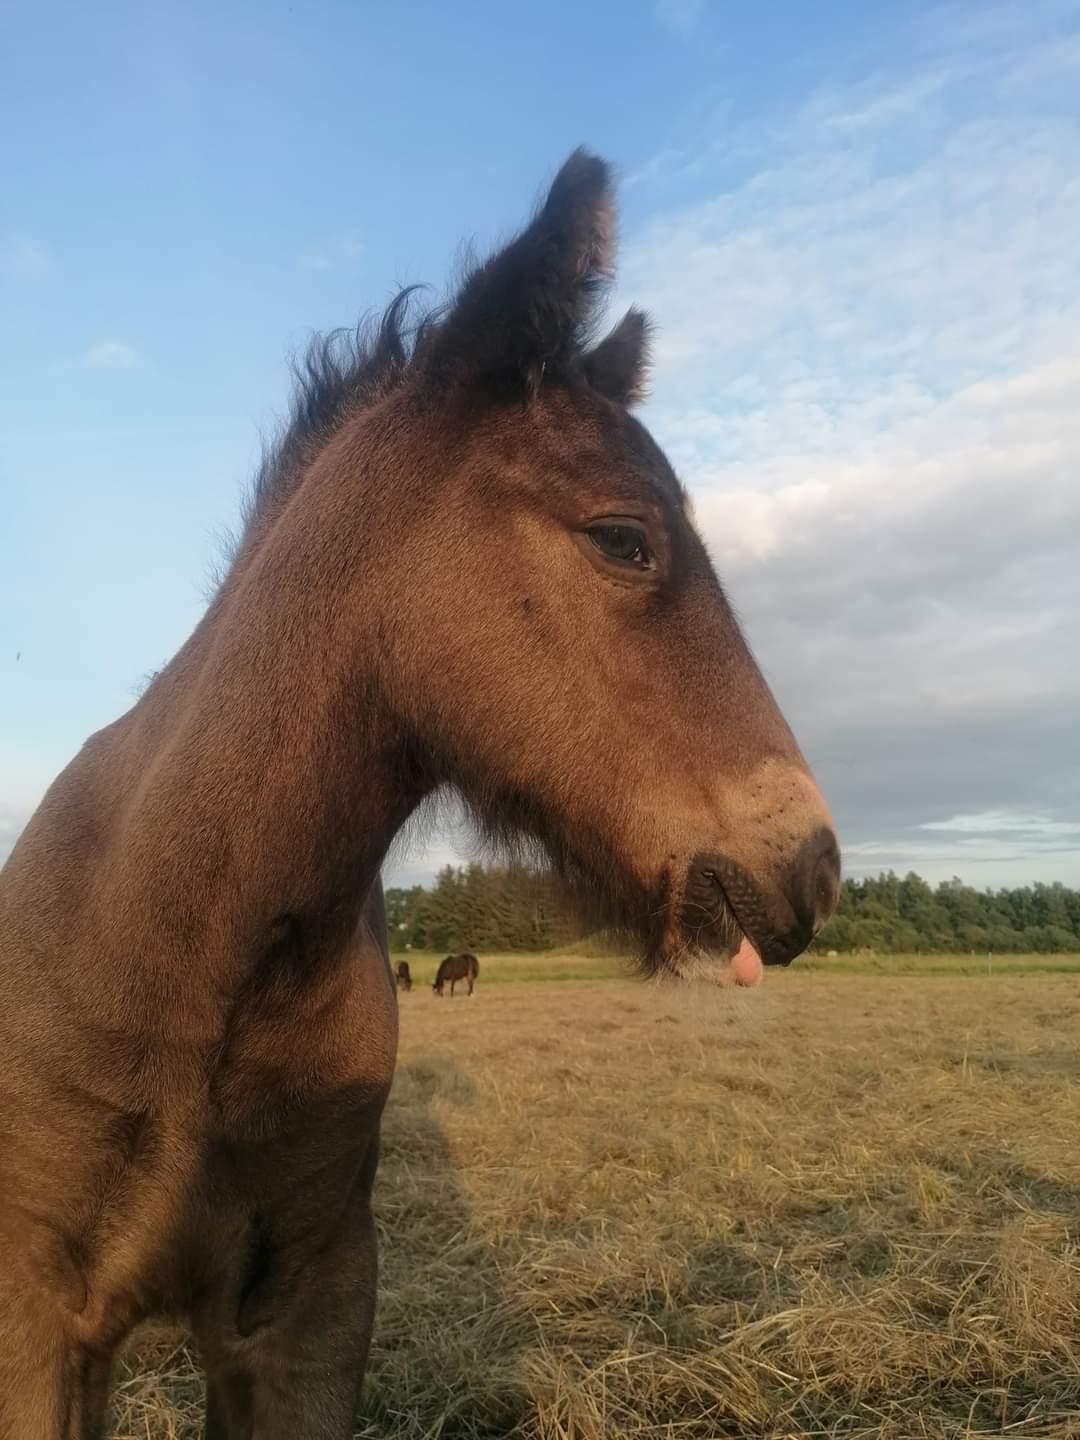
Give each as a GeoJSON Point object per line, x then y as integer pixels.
{"type": "Point", "coordinates": [309, 1048]}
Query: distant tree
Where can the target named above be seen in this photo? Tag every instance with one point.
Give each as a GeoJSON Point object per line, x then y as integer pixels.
{"type": "Point", "coordinates": [519, 907]}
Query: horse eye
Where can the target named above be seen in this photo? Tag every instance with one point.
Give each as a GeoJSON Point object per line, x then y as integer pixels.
{"type": "Point", "coordinates": [625, 544]}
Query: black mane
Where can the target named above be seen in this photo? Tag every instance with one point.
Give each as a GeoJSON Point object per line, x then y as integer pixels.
{"type": "Point", "coordinates": [341, 372]}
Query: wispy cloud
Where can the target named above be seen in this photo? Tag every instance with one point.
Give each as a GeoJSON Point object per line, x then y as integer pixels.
{"type": "Point", "coordinates": [110, 355]}
{"type": "Point", "coordinates": [682, 16]}
{"type": "Point", "coordinates": [336, 252]}
{"type": "Point", "coordinates": [25, 259]}
{"type": "Point", "coordinates": [1006, 846]}
{"type": "Point", "coordinates": [24, 777]}
{"type": "Point", "coordinates": [868, 371]}
{"type": "Point", "coordinates": [11, 823]}
{"type": "Point", "coordinates": [1038, 828]}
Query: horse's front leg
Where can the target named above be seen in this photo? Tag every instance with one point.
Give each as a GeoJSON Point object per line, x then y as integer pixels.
{"type": "Point", "coordinates": [288, 1361]}
{"type": "Point", "coordinates": [51, 1388]}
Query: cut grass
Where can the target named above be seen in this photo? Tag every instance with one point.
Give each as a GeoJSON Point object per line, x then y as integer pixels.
{"type": "Point", "coordinates": [521, 966]}
{"type": "Point", "coordinates": [837, 1207]}
{"type": "Point", "coordinates": [575, 964]}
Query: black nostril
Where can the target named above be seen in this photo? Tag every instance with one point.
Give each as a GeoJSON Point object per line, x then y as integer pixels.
{"type": "Point", "coordinates": [826, 880]}
{"type": "Point", "coordinates": [825, 886]}
{"type": "Point", "coordinates": [815, 882]}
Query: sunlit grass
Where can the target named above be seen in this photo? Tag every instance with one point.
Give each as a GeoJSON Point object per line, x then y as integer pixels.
{"type": "Point", "coordinates": [575, 965]}
{"type": "Point", "coordinates": [843, 1206]}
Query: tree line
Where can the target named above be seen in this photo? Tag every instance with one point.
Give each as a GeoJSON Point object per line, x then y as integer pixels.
{"type": "Point", "coordinates": [482, 907]}
{"type": "Point", "coordinates": [512, 907]}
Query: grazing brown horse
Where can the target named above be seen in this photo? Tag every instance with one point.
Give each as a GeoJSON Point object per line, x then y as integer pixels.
{"type": "Point", "coordinates": [455, 968]}
{"type": "Point", "coordinates": [465, 564]}
{"type": "Point", "coordinates": [402, 975]}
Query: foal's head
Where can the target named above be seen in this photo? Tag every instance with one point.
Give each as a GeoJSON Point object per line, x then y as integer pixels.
{"type": "Point", "coordinates": [553, 640]}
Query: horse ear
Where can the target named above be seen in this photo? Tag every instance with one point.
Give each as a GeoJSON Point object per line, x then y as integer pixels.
{"type": "Point", "coordinates": [619, 366]}
{"type": "Point", "coordinates": [530, 304]}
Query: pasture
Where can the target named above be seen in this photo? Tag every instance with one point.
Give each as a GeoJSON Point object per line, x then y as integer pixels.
{"type": "Point", "coordinates": [845, 1205]}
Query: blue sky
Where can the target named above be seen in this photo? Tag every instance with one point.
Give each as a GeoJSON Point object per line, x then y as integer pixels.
{"type": "Point", "coordinates": [855, 226]}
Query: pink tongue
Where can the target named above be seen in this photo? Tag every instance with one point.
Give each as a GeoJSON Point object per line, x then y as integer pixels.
{"type": "Point", "coordinates": [746, 966]}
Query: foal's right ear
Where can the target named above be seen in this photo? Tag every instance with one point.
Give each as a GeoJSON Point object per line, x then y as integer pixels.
{"type": "Point", "coordinates": [530, 305]}
{"type": "Point", "coordinates": [619, 366]}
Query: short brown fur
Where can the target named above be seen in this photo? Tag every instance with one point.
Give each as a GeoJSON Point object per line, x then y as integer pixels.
{"type": "Point", "coordinates": [433, 589]}
{"type": "Point", "coordinates": [454, 968]}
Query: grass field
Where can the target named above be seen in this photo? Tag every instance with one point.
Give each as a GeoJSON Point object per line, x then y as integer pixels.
{"type": "Point", "coordinates": [580, 964]}
{"type": "Point", "coordinates": [843, 1205]}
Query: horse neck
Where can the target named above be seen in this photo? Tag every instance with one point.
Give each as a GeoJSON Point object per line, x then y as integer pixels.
{"type": "Point", "coordinates": [258, 777]}
{"type": "Point", "coordinates": [288, 741]}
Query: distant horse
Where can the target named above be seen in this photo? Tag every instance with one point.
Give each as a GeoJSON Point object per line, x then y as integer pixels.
{"type": "Point", "coordinates": [455, 968]}
{"type": "Point", "coordinates": [402, 976]}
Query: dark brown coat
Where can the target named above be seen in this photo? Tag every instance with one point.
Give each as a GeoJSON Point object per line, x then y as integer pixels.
{"type": "Point", "coordinates": [466, 565]}
{"type": "Point", "coordinates": [454, 968]}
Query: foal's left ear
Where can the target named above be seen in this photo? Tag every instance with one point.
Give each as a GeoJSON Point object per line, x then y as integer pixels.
{"type": "Point", "coordinates": [619, 366]}
{"type": "Point", "coordinates": [530, 305]}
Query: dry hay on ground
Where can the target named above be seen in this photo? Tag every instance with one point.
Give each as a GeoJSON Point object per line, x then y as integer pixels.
{"type": "Point", "coordinates": [845, 1206]}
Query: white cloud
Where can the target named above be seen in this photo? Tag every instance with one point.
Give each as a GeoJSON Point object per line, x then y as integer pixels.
{"type": "Point", "coordinates": [25, 259]}
{"type": "Point", "coordinates": [24, 778]}
{"type": "Point", "coordinates": [11, 822]}
{"type": "Point", "coordinates": [868, 364]}
{"type": "Point", "coordinates": [338, 251]}
{"type": "Point", "coordinates": [1007, 846]}
{"type": "Point", "coordinates": [110, 355]}
{"type": "Point", "coordinates": [681, 16]}
{"type": "Point", "coordinates": [868, 370]}
{"type": "Point", "coordinates": [437, 837]}
{"type": "Point", "coordinates": [1039, 828]}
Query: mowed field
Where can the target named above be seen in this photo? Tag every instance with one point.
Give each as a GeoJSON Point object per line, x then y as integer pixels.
{"type": "Point", "coordinates": [847, 1204]}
